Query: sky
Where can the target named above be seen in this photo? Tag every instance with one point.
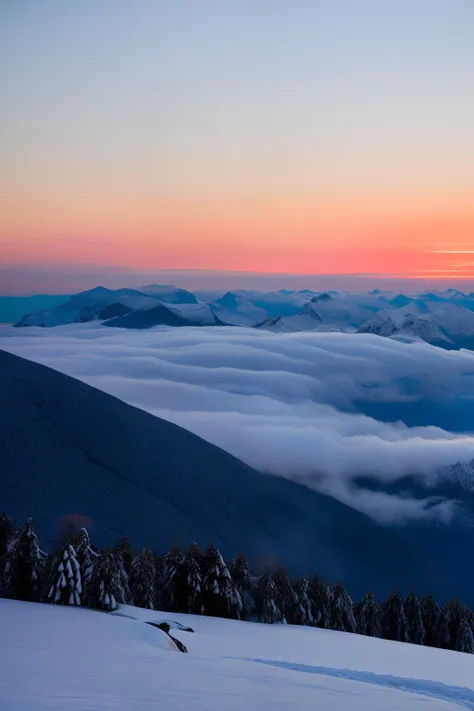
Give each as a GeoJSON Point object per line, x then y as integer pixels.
{"type": "Point", "coordinates": [251, 136]}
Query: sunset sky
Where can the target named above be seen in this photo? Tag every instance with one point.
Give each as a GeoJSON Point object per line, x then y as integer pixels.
{"type": "Point", "coordinates": [295, 136]}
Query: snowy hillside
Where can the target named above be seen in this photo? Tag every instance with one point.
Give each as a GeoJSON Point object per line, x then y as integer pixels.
{"type": "Point", "coordinates": [162, 314]}
{"type": "Point", "coordinates": [449, 325]}
{"type": "Point", "coordinates": [234, 309]}
{"type": "Point", "coordinates": [55, 658]}
{"type": "Point", "coordinates": [402, 324]}
{"type": "Point", "coordinates": [87, 306]}
{"type": "Point", "coordinates": [199, 313]}
{"type": "Point", "coordinates": [322, 313]}
{"type": "Point", "coordinates": [168, 293]}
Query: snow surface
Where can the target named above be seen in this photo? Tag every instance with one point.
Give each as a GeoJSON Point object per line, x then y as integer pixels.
{"type": "Point", "coordinates": [56, 658]}
{"type": "Point", "coordinates": [235, 310]}
{"type": "Point", "coordinates": [405, 324]}
{"type": "Point", "coordinates": [322, 311]}
{"type": "Point", "coordinates": [194, 313]}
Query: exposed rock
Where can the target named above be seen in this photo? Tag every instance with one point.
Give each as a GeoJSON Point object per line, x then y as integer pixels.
{"type": "Point", "coordinates": [164, 626]}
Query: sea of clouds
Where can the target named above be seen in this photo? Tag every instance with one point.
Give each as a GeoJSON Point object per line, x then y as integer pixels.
{"type": "Point", "coordinates": [287, 404]}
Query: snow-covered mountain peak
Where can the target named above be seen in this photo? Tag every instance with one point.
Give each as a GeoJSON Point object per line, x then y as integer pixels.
{"type": "Point", "coordinates": [322, 297]}
{"type": "Point", "coordinates": [169, 293]}
{"type": "Point", "coordinates": [382, 324]}
{"type": "Point", "coordinates": [233, 308]}
{"type": "Point", "coordinates": [403, 323]}
{"type": "Point", "coordinates": [310, 310]}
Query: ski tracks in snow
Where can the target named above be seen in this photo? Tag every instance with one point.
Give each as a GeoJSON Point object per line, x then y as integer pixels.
{"type": "Point", "coordinates": [460, 695]}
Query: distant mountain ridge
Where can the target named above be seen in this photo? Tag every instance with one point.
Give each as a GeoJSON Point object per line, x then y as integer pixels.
{"type": "Point", "coordinates": [444, 319]}
{"type": "Point", "coordinates": [164, 315]}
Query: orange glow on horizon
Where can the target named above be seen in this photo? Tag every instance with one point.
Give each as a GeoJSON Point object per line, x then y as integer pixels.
{"type": "Point", "coordinates": [302, 236]}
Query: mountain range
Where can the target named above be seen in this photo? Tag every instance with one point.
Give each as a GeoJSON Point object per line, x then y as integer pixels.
{"type": "Point", "coordinates": [72, 452]}
{"type": "Point", "coordinates": [444, 319]}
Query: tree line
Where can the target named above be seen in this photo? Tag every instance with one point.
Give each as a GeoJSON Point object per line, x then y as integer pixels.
{"type": "Point", "coordinates": [202, 583]}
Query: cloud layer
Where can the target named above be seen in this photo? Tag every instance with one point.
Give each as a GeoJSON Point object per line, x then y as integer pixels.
{"type": "Point", "coordinates": [288, 404]}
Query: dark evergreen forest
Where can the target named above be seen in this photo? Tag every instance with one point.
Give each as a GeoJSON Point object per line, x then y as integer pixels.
{"type": "Point", "coordinates": [202, 583]}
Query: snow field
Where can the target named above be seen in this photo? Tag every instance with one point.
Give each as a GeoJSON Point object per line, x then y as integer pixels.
{"type": "Point", "coordinates": [55, 658]}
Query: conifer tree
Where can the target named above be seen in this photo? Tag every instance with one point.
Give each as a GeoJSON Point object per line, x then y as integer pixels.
{"type": "Point", "coordinates": [430, 612]}
{"type": "Point", "coordinates": [464, 636]}
{"type": "Point", "coordinates": [104, 587]}
{"type": "Point", "coordinates": [65, 583]}
{"type": "Point", "coordinates": [442, 635]}
{"type": "Point", "coordinates": [394, 622]}
{"type": "Point", "coordinates": [193, 573]}
{"type": "Point", "coordinates": [286, 598]}
{"type": "Point", "coordinates": [220, 595]}
{"type": "Point", "coordinates": [320, 596]}
{"type": "Point", "coordinates": [124, 547]}
{"type": "Point", "coordinates": [187, 583]}
{"type": "Point", "coordinates": [242, 577]}
{"type": "Point", "coordinates": [170, 573]}
{"type": "Point", "coordinates": [160, 598]}
{"type": "Point", "coordinates": [368, 617]}
{"type": "Point", "coordinates": [304, 613]}
{"type": "Point", "coordinates": [6, 532]}
{"type": "Point", "coordinates": [85, 556]}
{"type": "Point", "coordinates": [457, 620]}
{"type": "Point", "coordinates": [22, 565]}
{"type": "Point", "coordinates": [342, 610]}
{"type": "Point", "coordinates": [143, 580]}
{"type": "Point", "coordinates": [121, 553]}
{"type": "Point", "coordinates": [267, 608]}
{"type": "Point", "coordinates": [414, 619]}
{"type": "Point", "coordinates": [470, 617]}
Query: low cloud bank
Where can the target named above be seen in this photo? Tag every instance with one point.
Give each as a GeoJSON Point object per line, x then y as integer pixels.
{"type": "Point", "coordinates": [288, 404]}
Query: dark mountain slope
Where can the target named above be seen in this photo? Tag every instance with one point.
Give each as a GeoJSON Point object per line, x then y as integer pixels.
{"type": "Point", "coordinates": [451, 545]}
{"type": "Point", "coordinates": [157, 316]}
{"type": "Point", "coordinates": [67, 448]}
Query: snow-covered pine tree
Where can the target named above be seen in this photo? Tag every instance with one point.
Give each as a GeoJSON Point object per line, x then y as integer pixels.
{"type": "Point", "coordinates": [6, 532]}
{"type": "Point", "coordinates": [441, 634]}
{"type": "Point", "coordinates": [464, 637]}
{"type": "Point", "coordinates": [22, 565]}
{"type": "Point", "coordinates": [159, 582]}
{"type": "Point", "coordinates": [266, 607]}
{"type": "Point", "coordinates": [430, 612]}
{"type": "Point", "coordinates": [220, 595]}
{"type": "Point", "coordinates": [286, 598]}
{"type": "Point", "coordinates": [124, 547]}
{"type": "Point", "coordinates": [192, 567]}
{"type": "Point", "coordinates": [124, 595]}
{"type": "Point", "coordinates": [143, 580]}
{"type": "Point", "coordinates": [394, 622]}
{"type": "Point", "coordinates": [242, 577]}
{"type": "Point", "coordinates": [342, 610]}
{"type": "Point", "coordinates": [368, 616]}
{"type": "Point", "coordinates": [320, 596]}
{"type": "Point", "coordinates": [85, 555]}
{"type": "Point", "coordinates": [66, 584]}
{"type": "Point", "coordinates": [187, 589]}
{"type": "Point", "coordinates": [303, 615]}
{"type": "Point", "coordinates": [104, 587]}
{"type": "Point", "coordinates": [169, 574]}
{"type": "Point", "coordinates": [457, 618]}
{"type": "Point", "coordinates": [414, 619]}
